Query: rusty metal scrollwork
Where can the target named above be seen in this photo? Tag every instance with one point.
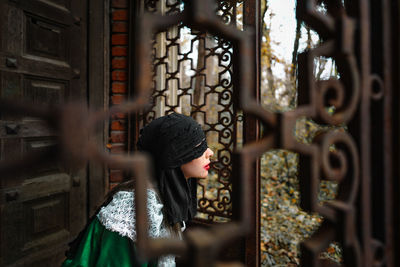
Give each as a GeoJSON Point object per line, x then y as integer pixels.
{"type": "Point", "coordinates": [318, 160]}
{"type": "Point", "coordinates": [341, 156]}
{"type": "Point", "coordinates": [347, 164]}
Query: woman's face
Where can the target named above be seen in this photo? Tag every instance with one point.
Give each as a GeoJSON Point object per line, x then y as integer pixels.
{"type": "Point", "coordinates": [198, 168]}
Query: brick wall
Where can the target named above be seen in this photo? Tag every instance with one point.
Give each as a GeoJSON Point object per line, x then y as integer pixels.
{"type": "Point", "coordinates": [119, 70]}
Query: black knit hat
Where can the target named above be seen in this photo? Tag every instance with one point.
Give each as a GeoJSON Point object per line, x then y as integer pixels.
{"type": "Point", "coordinates": [172, 141]}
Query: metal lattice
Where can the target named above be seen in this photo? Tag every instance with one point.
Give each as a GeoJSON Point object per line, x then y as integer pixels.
{"type": "Point", "coordinates": [344, 156]}
{"type": "Point", "coordinates": [193, 76]}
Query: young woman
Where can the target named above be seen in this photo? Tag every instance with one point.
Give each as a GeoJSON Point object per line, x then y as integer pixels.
{"type": "Point", "coordinates": [179, 150]}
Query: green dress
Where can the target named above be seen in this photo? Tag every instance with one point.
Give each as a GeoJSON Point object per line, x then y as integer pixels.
{"type": "Point", "coordinates": [109, 240]}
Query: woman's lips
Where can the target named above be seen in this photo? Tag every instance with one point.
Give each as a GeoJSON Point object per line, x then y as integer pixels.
{"type": "Point", "coordinates": [207, 167]}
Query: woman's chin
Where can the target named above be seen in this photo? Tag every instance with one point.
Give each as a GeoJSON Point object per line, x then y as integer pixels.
{"type": "Point", "coordinates": [202, 176]}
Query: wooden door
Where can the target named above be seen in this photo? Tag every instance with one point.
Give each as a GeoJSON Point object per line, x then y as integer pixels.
{"type": "Point", "coordinates": [42, 59]}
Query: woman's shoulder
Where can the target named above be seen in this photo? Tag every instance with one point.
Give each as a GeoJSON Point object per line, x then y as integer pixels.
{"type": "Point", "coordinates": [128, 196]}
{"type": "Point", "coordinates": [120, 215]}
{"type": "Point", "coordinates": [124, 201]}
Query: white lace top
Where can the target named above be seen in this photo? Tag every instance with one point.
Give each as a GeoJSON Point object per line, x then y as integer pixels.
{"type": "Point", "coordinates": [119, 216]}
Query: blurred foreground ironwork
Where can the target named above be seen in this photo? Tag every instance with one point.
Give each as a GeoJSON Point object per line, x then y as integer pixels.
{"type": "Point", "coordinates": [362, 217]}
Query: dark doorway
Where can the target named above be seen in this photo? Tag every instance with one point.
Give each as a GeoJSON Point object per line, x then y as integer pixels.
{"type": "Point", "coordinates": [43, 61]}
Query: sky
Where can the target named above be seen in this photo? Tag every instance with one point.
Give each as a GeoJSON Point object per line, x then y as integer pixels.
{"type": "Point", "coordinates": [283, 32]}
{"type": "Point", "coordinates": [283, 26]}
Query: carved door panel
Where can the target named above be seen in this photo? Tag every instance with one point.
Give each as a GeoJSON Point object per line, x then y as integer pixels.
{"type": "Point", "coordinates": [42, 55]}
